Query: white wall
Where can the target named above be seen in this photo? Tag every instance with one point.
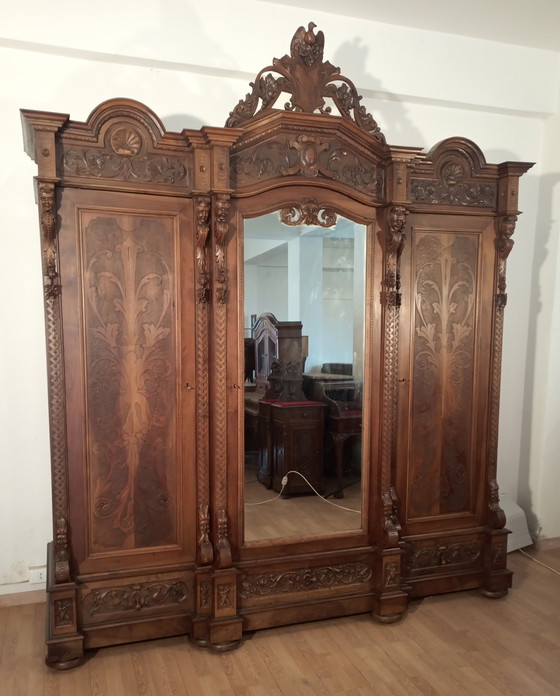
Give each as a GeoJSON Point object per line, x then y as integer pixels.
{"type": "Point", "coordinates": [191, 63]}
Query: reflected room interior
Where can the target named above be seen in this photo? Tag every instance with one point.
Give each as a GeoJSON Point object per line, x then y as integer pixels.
{"type": "Point", "coordinates": [304, 298]}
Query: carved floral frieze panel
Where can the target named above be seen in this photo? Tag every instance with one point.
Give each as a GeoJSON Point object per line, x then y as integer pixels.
{"type": "Point", "coordinates": [124, 158]}
{"type": "Point", "coordinates": [454, 187]}
{"type": "Point", "coordinates": [136, 597]}
{"type": "Point", "coordinates": [305, 579]}
{"type": "Point", "coordinates": [310, 157]}
{"type": "Point", "coordinates": [437, 555]}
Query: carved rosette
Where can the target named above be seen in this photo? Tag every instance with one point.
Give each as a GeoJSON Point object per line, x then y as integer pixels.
{"type": "Point", "coordinates": [308, 212]}
{"type": "Point", "coordinates": [136, 597]}
{"type": "Point", "coordinates": [309, 81]}
{"type": "Point", "coordinates": [304, 580]}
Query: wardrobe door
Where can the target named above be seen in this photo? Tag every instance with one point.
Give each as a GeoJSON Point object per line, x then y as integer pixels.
{"type": "Point", "coordinates": [127, 267]}
{"type": "Point", "coordinates": [445, 367]}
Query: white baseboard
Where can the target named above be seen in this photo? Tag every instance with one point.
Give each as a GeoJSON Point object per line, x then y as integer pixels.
{"type": "Point", "coordinates": [516, 522]}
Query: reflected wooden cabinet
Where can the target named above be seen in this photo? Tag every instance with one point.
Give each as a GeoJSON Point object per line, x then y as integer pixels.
{"type": "Point", "coordinates": [297, 432]}
{"type": "Point", "coordinates": [392, 260]}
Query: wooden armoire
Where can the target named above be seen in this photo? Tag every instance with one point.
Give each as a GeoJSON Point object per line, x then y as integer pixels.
{"type": "Point", "coordinates": [150, 241]}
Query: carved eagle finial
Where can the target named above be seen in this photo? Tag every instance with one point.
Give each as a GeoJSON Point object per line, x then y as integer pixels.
{"type": "Point", "coordinates": [306, 45]}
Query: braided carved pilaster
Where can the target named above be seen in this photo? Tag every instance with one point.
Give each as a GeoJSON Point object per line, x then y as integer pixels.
{"type": "Point", "coordinates": [56, 390]}
{"type": "Point", "coordinates": [504, 245]}
{"type": "Point", "coordinates": [205, 550]}
{"type": "Point", "coordinates": [220, 232]}
{"type": "Point", "coordinates": [391, 298]}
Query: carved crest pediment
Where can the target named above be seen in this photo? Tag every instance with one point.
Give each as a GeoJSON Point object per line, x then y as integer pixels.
{"type": "Point", "coordinates": [314, 86]}
{"type": "Point", "coordinates": [455, 173]}
{"type": "Point", "coordinates": [123, 141]}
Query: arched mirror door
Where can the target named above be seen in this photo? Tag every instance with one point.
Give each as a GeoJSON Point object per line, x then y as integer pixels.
{"type": "Point", "coordinates": [305, 273]}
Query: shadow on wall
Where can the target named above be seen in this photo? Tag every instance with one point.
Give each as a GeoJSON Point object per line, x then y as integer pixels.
{"type": "Point", "coordinates": [544, 245]}
{"type": "Point", "coordinates": [385, 107]}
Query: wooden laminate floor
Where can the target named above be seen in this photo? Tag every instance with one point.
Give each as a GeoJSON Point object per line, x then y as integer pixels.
{"type": "Point", "coordinates": [448, 645]}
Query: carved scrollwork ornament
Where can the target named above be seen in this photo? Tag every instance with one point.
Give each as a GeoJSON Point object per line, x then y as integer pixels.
{"type": "Point", "coordinates": [305, 579]}
{"type": "Point", "coordinates": [308, 80]}
{"type": "Point", "coordinates": [136, 596]}
{"type": "Point", "coordinates": [308, 212]}
{"type": "Point", "coordinates": [308, 149]}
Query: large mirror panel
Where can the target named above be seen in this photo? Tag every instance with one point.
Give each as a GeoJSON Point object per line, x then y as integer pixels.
{"type": "Point", "coordinates": [304, 299]}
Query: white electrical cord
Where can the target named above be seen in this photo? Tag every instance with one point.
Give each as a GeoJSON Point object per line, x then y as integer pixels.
{"type": "Point", "coordinates": [285, 483]}
{"type": "Point", "coordinates": [539, 562]}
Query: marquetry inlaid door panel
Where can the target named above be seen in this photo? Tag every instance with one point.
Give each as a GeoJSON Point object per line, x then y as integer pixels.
{"type": "Point", "coordinates": [129, 346]}
{"type": "Point", "coordinates": [447, 279]}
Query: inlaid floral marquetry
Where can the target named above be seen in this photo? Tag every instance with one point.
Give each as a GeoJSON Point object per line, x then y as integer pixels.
{"type": "Point", "coordinates": [445, 293]}
{"type": "Point", "coordinates": [130, 345]}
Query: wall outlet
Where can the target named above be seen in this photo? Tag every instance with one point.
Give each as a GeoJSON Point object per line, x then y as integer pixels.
{"type": "Point", "coordinates": [38, 575]}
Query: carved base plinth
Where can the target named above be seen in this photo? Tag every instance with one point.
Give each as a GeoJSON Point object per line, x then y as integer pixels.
{"type": "Point", "coordinates": [493, 594]}
{"type": "Point", "coordinates": [225, 634]}
{"type": "Point", "coordinates": [497, 577]}
{"type": "Point", "coordinates": [389, 608]}
{"type": "Point", "coordinates": [65, 653]}
{"type": "Point", "coordinates": [65, 645]}
{"type": "Point", "coordinates": [225, 646]}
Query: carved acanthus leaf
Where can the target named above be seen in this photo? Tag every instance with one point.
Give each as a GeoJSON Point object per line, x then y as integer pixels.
{"type": "Point", "coordinates": [438, 555]}
{"type": "Point", "coordinates": [102, 164]}
{"type": "Point", "coordinates": [308, 212]}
